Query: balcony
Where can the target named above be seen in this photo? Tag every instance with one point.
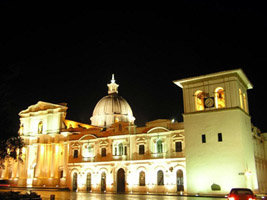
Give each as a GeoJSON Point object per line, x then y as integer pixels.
{"type": "Point", "coordinates": [151, 155]}
{"type": "Point", "coordinates": [134, 156]}
{"type": "Point", "coordinates": [177, 154]}
{"type": "Point", "coordinates": [88, 159]}
{"type": "Point", "coordinates": [119, 157]}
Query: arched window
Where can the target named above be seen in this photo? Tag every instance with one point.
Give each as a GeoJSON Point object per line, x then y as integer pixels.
{"type": "Point", "coordinates": [103, 182]}
{"type": "Point", "coordinates": [245, 102]}
{"type": "Point", "coordinates": [241, 98]}
{"type": "Point", "coordinates": [40, 127]}
{"type": "Point", "coordinates": [9, 173]}
{"type": "Point", "coordinates": [88, 182]}
{"type": "Point", "coordinates": [74, 181]}
{"type": "Point", "coordinates": [121, 180]}
{"type": "Point", "coordinates": [180, 180]}
{"type": "Point", "coordinates": [219, 97]}
{"type": "Point", "coordinates": [142, 178]}
{"type": "Point", "coordinates": [199, 100]}
{"type": "Point", "coordinates": [160, 178]}
{"type": "Point", "coordinates": [159, 146]}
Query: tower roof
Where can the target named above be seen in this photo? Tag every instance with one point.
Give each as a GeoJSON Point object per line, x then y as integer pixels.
{"type": "Point", "coordinates": [238, 72]}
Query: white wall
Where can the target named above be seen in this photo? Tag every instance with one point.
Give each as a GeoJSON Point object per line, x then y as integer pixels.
{"type": "Point", "coordinates": [224, 163]}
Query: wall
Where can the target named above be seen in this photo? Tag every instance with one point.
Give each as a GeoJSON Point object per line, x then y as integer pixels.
{"type": "Point", "coordinates": [229, 163]}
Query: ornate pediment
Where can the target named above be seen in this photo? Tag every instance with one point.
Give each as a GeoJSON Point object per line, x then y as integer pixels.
{"type": "Point", "coordinates": [141, 140]}
{"type": "Point", "coordinates": [158, 130]}
{"type": "Point", "coordinates": [177, 135]}
{"type": "Point", "coordinates": [75, 145]}
{"type": "Point", "coordinates": [103, 143]}
{"type": "Point", "coordinates": [88, 137]}
{"type": "Point", "coordinates": [42, 106]}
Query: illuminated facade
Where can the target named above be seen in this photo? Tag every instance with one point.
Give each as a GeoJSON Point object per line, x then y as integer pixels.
{"type": "Point", "coordinates": [214, 149]}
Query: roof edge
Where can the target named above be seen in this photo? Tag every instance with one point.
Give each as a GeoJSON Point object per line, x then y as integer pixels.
{"type": "Point", "coordinates": [239, 72]}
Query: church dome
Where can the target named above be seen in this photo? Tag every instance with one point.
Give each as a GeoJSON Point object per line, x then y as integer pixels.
{"type": "Point", "coordinates": [112, 108]}
{"type": "Point", "coordinates": [112, 104]}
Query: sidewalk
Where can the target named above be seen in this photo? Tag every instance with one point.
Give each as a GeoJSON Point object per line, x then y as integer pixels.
{"type": "Point", "coordinates": [35, 188]}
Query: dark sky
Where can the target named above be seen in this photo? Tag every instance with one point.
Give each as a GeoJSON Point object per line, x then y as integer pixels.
{"type": "Point", "coordinates": [54, 54]}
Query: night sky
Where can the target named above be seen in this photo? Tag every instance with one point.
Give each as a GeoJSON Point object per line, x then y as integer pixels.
{"type": "Point", "coordinates": [56, 54]}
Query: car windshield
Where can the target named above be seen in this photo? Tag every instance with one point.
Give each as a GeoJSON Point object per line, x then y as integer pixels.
{"type": "Point", "coordinates": [241, 191]}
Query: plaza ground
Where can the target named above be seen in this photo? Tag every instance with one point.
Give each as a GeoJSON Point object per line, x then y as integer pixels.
{"type": "Point", "coordinates": [68, 195]}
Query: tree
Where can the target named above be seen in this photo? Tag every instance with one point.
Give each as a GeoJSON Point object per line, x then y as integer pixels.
{"type": "Point", "coordinates": [10, 144]}
{"type": "Point", "coordinates": [11, 149]}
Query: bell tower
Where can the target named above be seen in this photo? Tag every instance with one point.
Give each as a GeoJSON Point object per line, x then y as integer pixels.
{"type": "Point", "coordinates": [219, 148]}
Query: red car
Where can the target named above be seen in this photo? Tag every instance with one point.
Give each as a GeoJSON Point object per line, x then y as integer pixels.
{"type": "Point", "coordinates": [4, 183]}
{"type": "Point", "coordinates": [241, 194]}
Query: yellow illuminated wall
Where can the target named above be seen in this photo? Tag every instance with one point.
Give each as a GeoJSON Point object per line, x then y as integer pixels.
{"type": "Point", "coordinates": [42, 118]}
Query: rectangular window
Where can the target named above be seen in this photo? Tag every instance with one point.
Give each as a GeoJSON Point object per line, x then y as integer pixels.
{"type": "Point", "coordinates": [159, 146]}
{"type": "Point", "coordinates": [120, 149]}
{"type": "Point", "coordinates": [125, 151]}
{"type": "Point", "coordinates": [203, 138]}
{"type": "Point", "coordinates": [178, 146]}
{"type": "Point", "coordinates": [75, 153]}
{"type": "Point", "coordinates": [61, 174]}
{"type": "Point", "coordinates": [141, 149]}
{"type": "Point", "coordinates": [220, 137]}
{"type": "Point", "coordinates": [103, 152]}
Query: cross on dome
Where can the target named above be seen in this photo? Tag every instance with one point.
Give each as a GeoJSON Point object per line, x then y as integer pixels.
{"type": "Point", "coordinates": [112, 80]}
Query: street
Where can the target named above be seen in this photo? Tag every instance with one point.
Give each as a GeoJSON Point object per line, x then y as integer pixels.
{"type": "Point", "coordinates": [65, 195]}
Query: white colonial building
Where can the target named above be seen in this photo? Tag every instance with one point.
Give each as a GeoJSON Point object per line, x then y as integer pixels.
{"type": "Point", "coordinates": [214, 149]}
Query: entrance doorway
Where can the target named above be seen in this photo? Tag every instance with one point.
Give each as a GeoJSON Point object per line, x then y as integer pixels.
{"type": "Point", "coordinates": [74, 181]}
{"type": "Point", "coordinates": [103, 182]}
{"type": "Point", "coordinates": [180, 181]}
{"type": "Point", "coordinates": [121, 181]}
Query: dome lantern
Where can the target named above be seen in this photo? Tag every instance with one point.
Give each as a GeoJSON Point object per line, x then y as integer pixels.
{"type": "Point", "coordinates": [112, 87]}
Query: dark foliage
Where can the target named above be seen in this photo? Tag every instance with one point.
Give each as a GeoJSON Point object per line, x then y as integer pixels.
{"type": "Point", "coordinates": [17, 195]}
{"type": "Point", "coordinates": [11, 149]}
